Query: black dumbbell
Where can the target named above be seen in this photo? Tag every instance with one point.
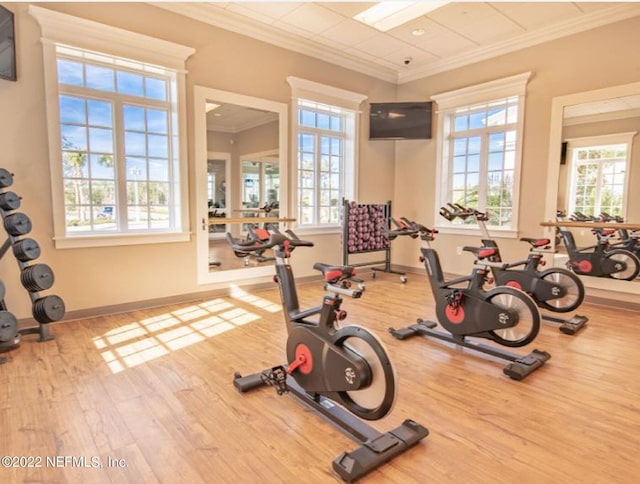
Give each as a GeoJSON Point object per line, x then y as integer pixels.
{"type": "Point", "coordinates": [17, 224]}
{"type": "Point", "coordinates": [6, 178]}
{"type": "Point", "coordinates": [9, 201]}
{"type": "Point", "coordinates": [37, 277]}
{"type": "Point", "coordinates": [48, 309]}
{"type": "Point", "coordinates": [26, 249]}
{"type": "Point", "coordinates": [8, 328]}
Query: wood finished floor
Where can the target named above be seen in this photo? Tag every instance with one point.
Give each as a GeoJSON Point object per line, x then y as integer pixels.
{"type": "Point", "coordinates": [154, 388]}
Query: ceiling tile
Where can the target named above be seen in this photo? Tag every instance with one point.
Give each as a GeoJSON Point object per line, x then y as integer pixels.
{"type": "Point", "coordinates": [312, 18]}
{"type": "Point", "coordinates": [347, 33]}
{"type": "Point", "coordinates": [241, 9]}
{"type": "Point", "coordinates": [348, 9]}
{"type": "Point", "coordinates": [272, 10]}
{"type": "Point", "coordinates": [534, 15]}
{"type": "Point", "coordinates": [478, 22]}
{"type": "Point", "coordinates": [436, 39]}
{"type": "Point", "coordinates": [381, 45]}
{"type": "Point", "coordinates": [592, 6]}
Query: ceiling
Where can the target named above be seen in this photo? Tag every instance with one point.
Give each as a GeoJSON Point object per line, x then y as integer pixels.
{"type": "Point", "coordinates": [454, 35]}
{"type": "Point", "coordinates": [231, 118]}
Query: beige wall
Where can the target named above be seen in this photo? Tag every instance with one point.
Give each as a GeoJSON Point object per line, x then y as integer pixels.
{"type": "Point", "coordinates": [96, 277]}
{"type": "Point", "coordinates": [590, 60]}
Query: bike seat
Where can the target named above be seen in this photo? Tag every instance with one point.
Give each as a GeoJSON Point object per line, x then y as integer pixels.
{"type": "Point", "coordinates": [260, 234]}
{"type": "Point", "coordinates": [604, 232]}
{"type": "Point", "coordinates": [482, 252]}
{"type": "Point", "coordinates": [333, 274]}
{"type": "Point", "coordinates": [536, 242]}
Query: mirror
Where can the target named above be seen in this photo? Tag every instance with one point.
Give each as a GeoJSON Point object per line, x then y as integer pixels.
{"type": "Point", "coordinates": [579, 119]}
{"type": "Point", "coordinates": [241, 146]}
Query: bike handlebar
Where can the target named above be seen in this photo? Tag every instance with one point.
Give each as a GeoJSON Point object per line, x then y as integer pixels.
{"type": "Point", "coordinates": [455, 210]}
{"type": "Point", "coordinates": [410, 228]}
{"type": "Point", "coordinates": [275, 239]}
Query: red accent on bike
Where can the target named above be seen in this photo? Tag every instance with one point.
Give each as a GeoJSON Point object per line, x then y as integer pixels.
{"type": "Point", "coordinates": [608, 232]}
{"type": "Point", "coordinates": [454, 315]}
{"type": "Point", "coordinates": [582, 266]}
{"type": "Point", "coordinates": [421, 259]}
{"type": "Point", "coordinates": [585, 266]}
{"type": "Point", "coordinates": [275, 279]}
{"type": "Point", "coordinates": [287, 252]}
{"type": "Point", "coordinates": [542, 263]}
{"type": "Point", "coordinates": [514, 284]}
{"type": "Point", "coordinates": [341, 315]}
{"type": "Point", "coordinates": [329, 275]}
{"type": "Point", "coordinates": [486, 253]}
{"type": "Point", "coordinates": [262, 234]}
{"type": "Point", "coordinates": [303, 361]}
{"type": "Point", "coordinates": [541, 242]}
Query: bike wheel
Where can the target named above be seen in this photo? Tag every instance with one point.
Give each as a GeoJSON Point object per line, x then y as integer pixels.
{"type": "Point", "coordinates": [629, 259]}
{"type": "Point", "coordinates": [375, 400]}
{"type": "Point", "coordinates": [573, 288]}
{"type": "Point", "coordinates": [528, 325]}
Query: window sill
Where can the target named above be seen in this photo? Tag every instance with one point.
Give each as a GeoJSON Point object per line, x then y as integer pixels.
{"type": "Point", "coordinates": [318, 230]}
{"type": "Point", "coordinates": [81, 241]}
{"type": "Point", "coordinates": [475, 231]}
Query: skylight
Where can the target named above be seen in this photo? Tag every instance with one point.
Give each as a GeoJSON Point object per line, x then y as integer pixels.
{"type": "Point", "coordinates": [387, 15]}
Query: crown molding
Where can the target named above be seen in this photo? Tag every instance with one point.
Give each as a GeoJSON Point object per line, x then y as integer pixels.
{"type": "Point", "coordinates": [601, 117]}
{"type": "Point", "coordinates": [265, 33]}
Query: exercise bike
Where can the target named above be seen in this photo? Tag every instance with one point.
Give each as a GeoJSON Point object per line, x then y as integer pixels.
{"type": "Point", "coordinates": [338, 371]}
{"type": "Point", "coordinates": [600, 260]}
{"type": "Point", "coordinates": [554, 289]}
{"type": "Point", "coordinates": [503, 314]}
{"type": "Point", "coordinates": [624, 240]}
{"type": "Point", "coordinates": [255, 235]}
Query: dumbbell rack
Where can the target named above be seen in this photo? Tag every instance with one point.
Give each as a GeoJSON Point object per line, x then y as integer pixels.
{"type": "Point", "coordinates": [365, 228]}
{"type": "Point", "coordinates": [34, 277]}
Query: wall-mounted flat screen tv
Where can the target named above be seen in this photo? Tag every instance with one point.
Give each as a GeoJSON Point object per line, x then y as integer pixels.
{"type": "Point", "coordinates": [7, 45]}
{"type": "Point", "coordinates": [400, 120]}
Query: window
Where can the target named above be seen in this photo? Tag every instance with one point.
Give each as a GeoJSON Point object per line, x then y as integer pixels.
{"type": "Point", "coordinates": [598, 174]}
{"type": "Point", "coordinates": [479, 150]}
{"type": "Point", "coordinates": [116, 123]}
{"type": "Point", "coordinates": [322, 137]}
{"type": "Point", "coordinates": [325, 147]}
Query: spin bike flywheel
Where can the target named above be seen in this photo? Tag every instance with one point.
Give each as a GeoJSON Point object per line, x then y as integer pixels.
{"type": "Point", "coordinates": [376, 400]}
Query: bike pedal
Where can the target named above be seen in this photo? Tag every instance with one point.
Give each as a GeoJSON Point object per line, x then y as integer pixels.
{"type": "Point", "coordinates": [276, 377]}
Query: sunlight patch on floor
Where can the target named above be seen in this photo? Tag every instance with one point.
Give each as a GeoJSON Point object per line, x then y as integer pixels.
{"type": "Point", "coordinates": [264, 304]}
{"type": "Point", "coordinates": [141, 341]}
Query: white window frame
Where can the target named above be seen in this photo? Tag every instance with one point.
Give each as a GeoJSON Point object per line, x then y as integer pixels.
{"type": "Point", "coordinates": [447, 103]}
{"type": "Point", "coordinates": [67, 30]}
{"type": "Point", "coordinates": [331, 96]}
{"type": "Point", "coordinates": [600, 140]}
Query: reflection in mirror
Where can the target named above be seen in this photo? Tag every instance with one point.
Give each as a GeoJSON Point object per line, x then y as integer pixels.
{"type": "Point", "coordinates": [594, 163]}
{"type": "Point", "coordinates": [251, 137]}
{"type": "Point", "coordinates": [595, 171]}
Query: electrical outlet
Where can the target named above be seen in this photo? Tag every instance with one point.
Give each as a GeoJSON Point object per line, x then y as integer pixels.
{"type": "Point", "coordinates": [459, 250]}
